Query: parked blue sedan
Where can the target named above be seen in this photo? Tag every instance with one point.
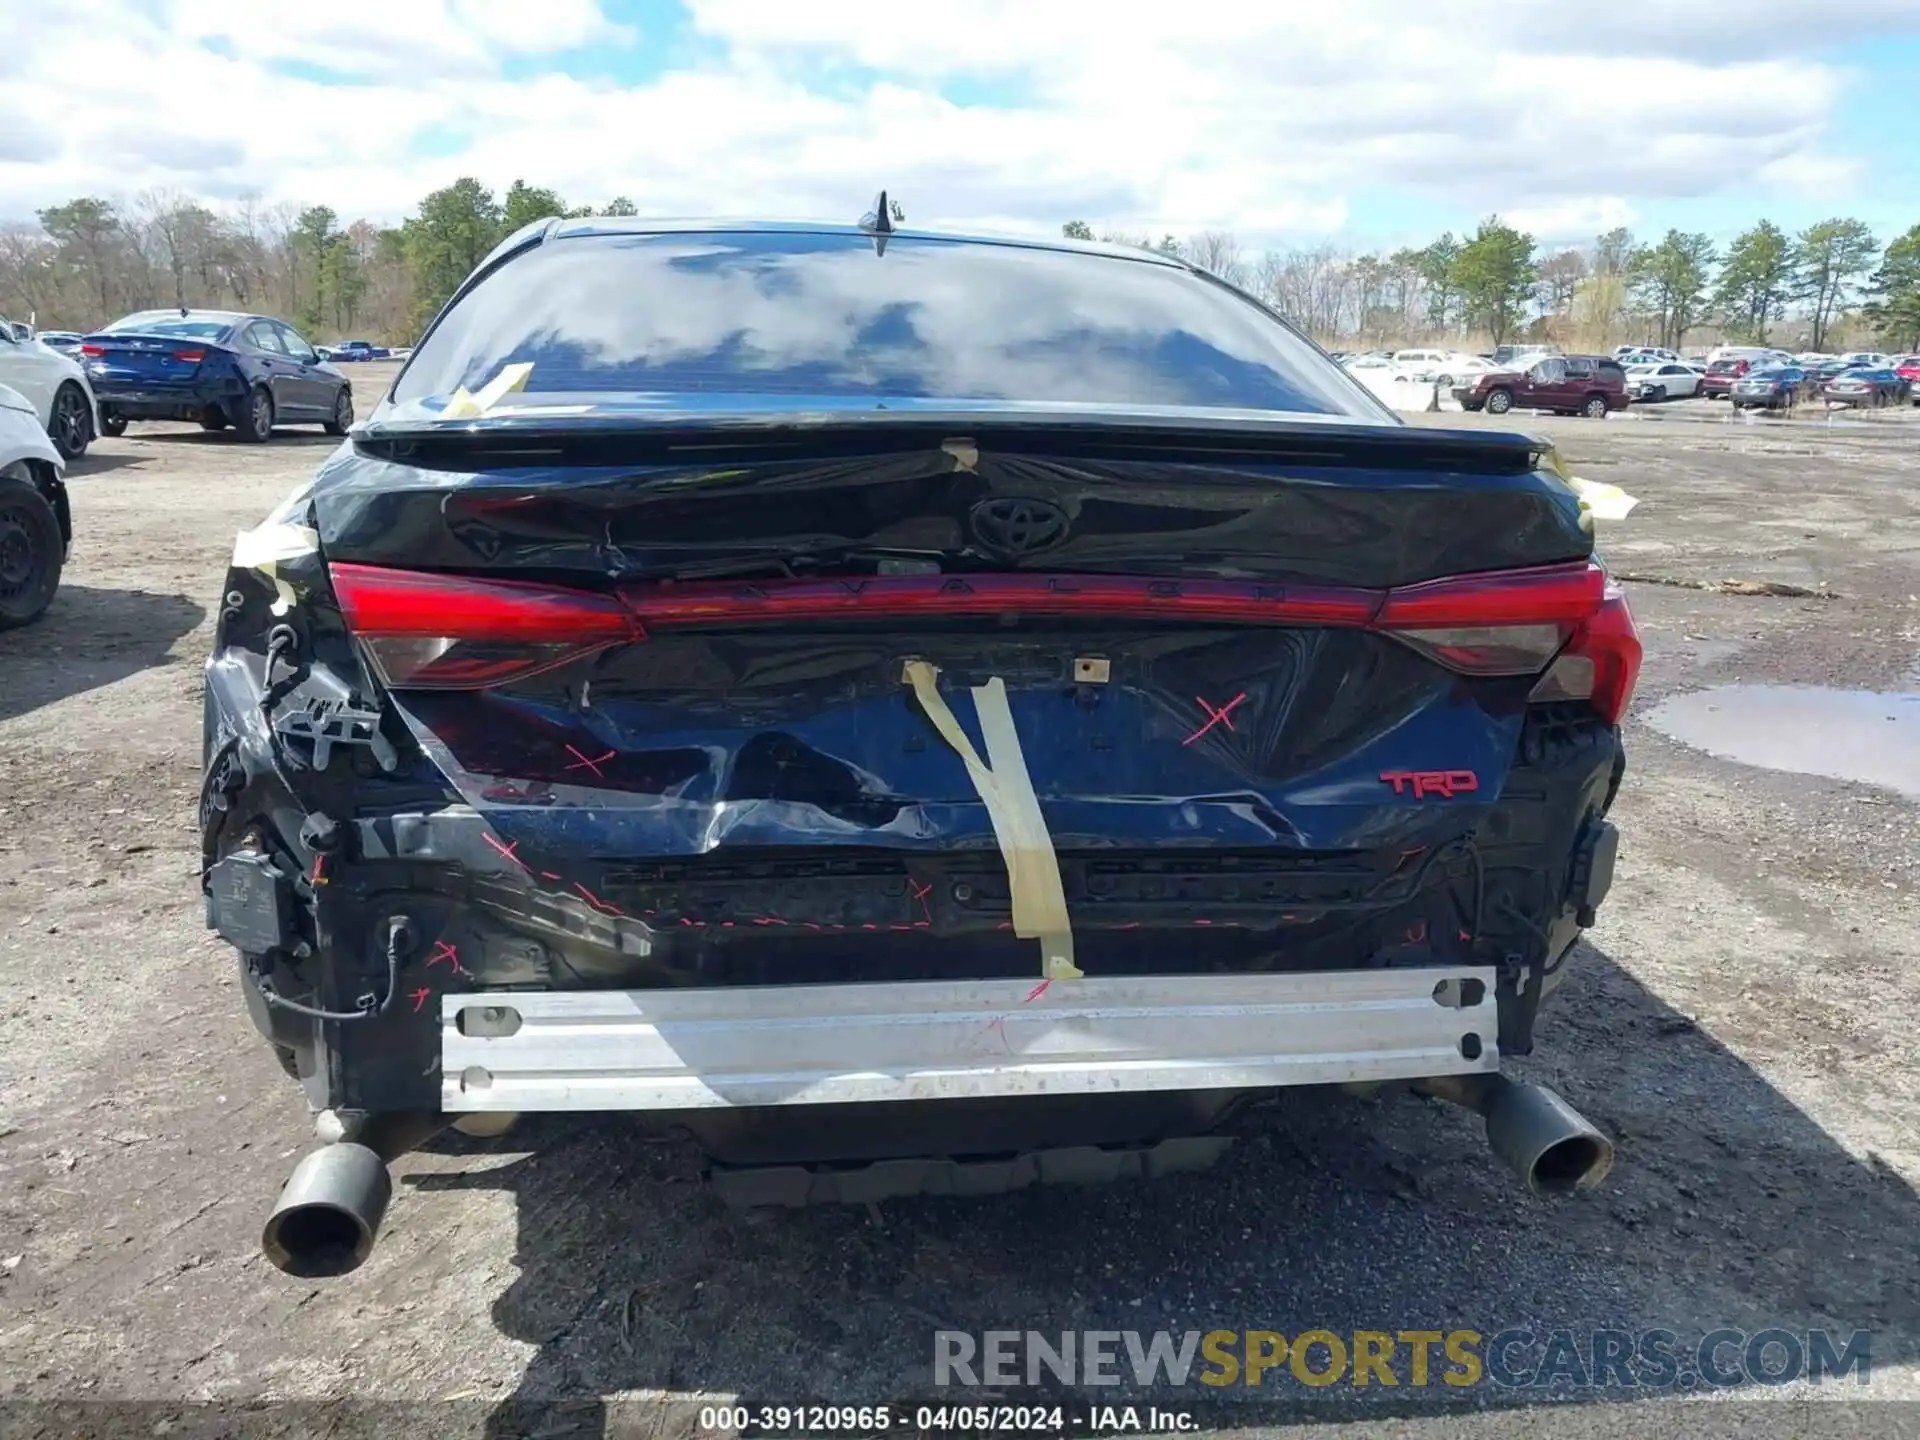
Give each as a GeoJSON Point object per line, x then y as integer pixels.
{"type": "Point", "coordinates": [1863, 387]}
{"type": "Point", "coordinates": [250, 372]}
{"type": "Point", "coordinates": [1776, 388]}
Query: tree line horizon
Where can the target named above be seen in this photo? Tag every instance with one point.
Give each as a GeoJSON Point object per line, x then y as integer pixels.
{"type": "Point", "coordinates": [92, 259]}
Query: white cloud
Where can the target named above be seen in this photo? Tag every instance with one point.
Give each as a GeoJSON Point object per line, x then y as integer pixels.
{"type": "Point", "coordinates": [1261, 116]}
{"type": "Point", "coordinates": [414, 39]}
{"type": "Point", "coordinates": [1580, 218]}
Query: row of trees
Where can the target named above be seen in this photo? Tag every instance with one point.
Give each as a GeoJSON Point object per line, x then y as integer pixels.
{"type": "Point", "coordinates": [92, 259]}
{"type": "Point", "coordinates": [1499, 283]}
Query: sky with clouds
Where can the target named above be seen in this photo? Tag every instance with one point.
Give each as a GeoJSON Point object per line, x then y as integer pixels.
{"type": "Point", "coordinates": [1367, 122]}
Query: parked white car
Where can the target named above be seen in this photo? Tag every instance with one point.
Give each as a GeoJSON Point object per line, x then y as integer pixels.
{"type": "Point", "coordinates": [54, 385]}
{"type": "Point", "coordinates": [1443, 366]}
{"type": "Point", "coordinates": [1631, 355]}
{"type": "Point", "coordinates": [36, 526]}
{"type": "Point", "coordinates": [1669, 380]}
{"type": "Point", "coordinates": [1459, 368]}
{"type": "Point", "coordinates": [1867, 360]}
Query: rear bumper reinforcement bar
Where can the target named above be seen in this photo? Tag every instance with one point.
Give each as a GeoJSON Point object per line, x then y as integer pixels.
{"type": "Point", "coordinates": [935, 1040]}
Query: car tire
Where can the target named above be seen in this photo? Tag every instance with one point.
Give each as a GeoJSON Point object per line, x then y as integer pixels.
{"type": "Point", "coordinates": [254, 424]}
{"type": "Point", "coordinates": [1657, 394]}
{"type": "Point", "coordinates": [31, 552]}
{"type": "Point", "coordinates": [1594, 407]}
{"type": "Point", "coordinates": [70, 426]}
{"type": "Point", "coordinates": [1499, 402]}
{"type": "Point", "coordinates": [342, 420]}
{"type": "Point", "coordinates": [113, 426]}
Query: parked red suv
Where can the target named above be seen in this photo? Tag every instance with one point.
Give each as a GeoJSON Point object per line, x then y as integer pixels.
{"type": "Point", "coordinates": [1907, 367]}
{"type": "Point", "coordinates": [1589, 385]}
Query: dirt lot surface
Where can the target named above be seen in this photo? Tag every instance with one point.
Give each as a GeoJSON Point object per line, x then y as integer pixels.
{"type": "Point", "coordinates": [1742, 1022]}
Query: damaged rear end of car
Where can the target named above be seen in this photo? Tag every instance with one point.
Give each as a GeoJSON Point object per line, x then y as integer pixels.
{"type": "Point", "coordinates": [707, 715]}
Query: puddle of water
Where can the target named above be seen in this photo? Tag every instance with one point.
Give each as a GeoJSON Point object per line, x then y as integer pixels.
{"type": "Point", "coordinates": [1864, 735]}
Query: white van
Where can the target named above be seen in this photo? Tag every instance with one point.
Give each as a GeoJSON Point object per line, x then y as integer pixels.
{"type": "Point", "coordinates": [1754, 355]}
{"type": "Point", "coordinates": [1420, 362]}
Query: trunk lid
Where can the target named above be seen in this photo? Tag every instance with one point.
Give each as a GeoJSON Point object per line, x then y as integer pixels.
{"type": "Point", "coordinates": [149, 361]}
{"type": "Point", "coordinates": [666, 671]}
{"type": "Point", "coordinates": [671, 646]}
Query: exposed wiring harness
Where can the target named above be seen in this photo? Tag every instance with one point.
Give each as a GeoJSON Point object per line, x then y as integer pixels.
{"type": "Point", "coordinates": [399, 943]}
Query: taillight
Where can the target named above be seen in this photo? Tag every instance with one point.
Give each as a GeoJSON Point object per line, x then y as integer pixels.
{"type": "Point", "coordinates": [882, 597]}
{"type": "Point", "coordinates": [192, 357]}
{"type": "Point", "coordinates": [94, 350]}
{"type": "Point", "coordinates": [1508, 623]}
{"type": "Point", "coordinates": [427, 631]}
{"type": "Point", "coordinates": [447, 632]}
{"type": "Point", "coordinates": [1601, 663]}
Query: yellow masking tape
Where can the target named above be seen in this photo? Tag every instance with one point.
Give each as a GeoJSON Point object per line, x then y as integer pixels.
{"type": "Point", "coordinates": [265, 546]}
{"type": "Point", "coordinates": [1597, 501]}
{"type": "Point", "coordinates": [1603, 502]}
{"type": "Point", "coordinates": [463, 406]}
{"type": "Point", "coordinates": [1006, 789]}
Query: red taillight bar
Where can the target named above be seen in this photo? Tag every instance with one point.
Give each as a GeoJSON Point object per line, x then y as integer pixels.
{"type": "Point", "coordinates": [379, 601]}
{"type": "Point", "coordinates": [191, 356]}
{"type": "Point", "coordinates": [94, 350]}
{"type": "Point", "coordinates": [1553, 594]}
{"type": "Point", "coordinates": [392, 604]}
{"type": "Point", "coordinates": [424, 628]}
{"type": "Point", "coordinates": [665, 606]}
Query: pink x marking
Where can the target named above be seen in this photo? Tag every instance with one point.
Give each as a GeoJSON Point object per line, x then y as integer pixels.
{"type": "Point", "coordinates": [593, 764]}
{"type": "Point", "coordinates": [507, 850]}
{"type": "Point", "coordinates": [1214, 717]}
{"type": "Point", "coordinates": [420, 998]}
{"type": "Point", "coordinates": [447, 955]}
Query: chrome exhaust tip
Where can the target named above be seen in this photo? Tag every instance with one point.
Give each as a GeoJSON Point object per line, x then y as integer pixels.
{"type": "Point", "coordinates": [329, 1212]}
{"type": "Point", "coordinates": [1553, 1148]}
{"type": "Point", "coordinates": [328, 1215]}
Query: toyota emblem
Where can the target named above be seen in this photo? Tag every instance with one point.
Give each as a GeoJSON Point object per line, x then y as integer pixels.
{"type": "Point", "coordinates": [1010, 526]}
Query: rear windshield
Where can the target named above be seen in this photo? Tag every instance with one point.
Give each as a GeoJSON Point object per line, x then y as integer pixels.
{"type": "Point", "coordinates": [187, 329]}
{"type": "Point", "coordinates": [1725, 367]}
{"type": "Point", "coordinates": [701, 317]}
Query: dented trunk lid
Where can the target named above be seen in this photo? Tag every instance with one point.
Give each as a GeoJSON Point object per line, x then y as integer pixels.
{"type": "Point", "coordinates": [1194, 626]}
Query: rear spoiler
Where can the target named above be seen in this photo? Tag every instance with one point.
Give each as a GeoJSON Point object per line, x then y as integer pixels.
{"type": "Point", "coordinates": [120, 337]}
{"type": "Point", "coordinates": [729, 437]}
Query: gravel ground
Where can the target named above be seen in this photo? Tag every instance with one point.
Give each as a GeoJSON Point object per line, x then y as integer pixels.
{"type": "Point", "coordinates": [1741, 1022]}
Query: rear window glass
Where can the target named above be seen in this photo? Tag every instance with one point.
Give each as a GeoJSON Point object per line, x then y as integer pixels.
{"type": "Point", "coordinates": [1725, 367]}
{"type": "Point", "coordinates": [188, 328]}
{"type": "Point", "coordinates": [700, 317]}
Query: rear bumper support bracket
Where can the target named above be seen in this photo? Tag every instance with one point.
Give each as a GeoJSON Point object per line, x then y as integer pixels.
{"type": "Point", "coordinates": [739, 1046]}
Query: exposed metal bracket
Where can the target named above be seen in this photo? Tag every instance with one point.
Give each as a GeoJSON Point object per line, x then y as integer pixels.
{"type": "Point", "coordinates": [325, 723]}
{"type": "Point", "coordinates": [674, 1049]}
